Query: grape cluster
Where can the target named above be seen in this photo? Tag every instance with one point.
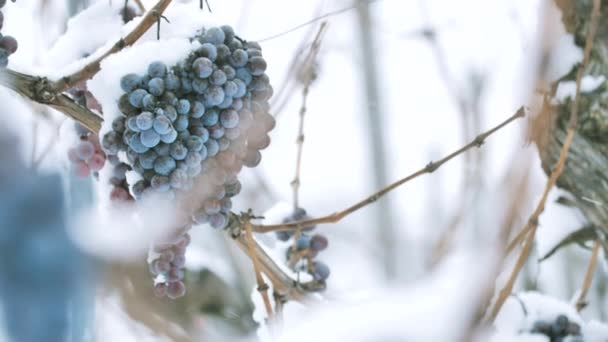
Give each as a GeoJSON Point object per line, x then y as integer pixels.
{"type": "Point", "coordinates": [189, 129]}
{"type": "Point", "coordinates": [306, 246]}
{"type": "Point", "coordinates": [559, 329]}
{"type": "Point", "coordinates": [8, 44]}
{"type": "Point", "coordinates": [87, 157]}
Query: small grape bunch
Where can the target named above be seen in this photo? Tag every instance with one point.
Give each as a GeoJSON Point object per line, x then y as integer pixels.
{"type": "Point", "coordinates": [559, 329]}
{"type": "Point", "coordinates": [87, 157]}
{"type": "Point", "coordinates": [306, 246]}
{"type": "Point", "coordinates": [118, 180]}
{"type": "Point", "coordinates": [8, 44]}
{"type": "Point", "coordinates": [168, 265]}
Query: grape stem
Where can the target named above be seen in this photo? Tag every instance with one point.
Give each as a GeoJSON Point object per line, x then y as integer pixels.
{"type": "Point", "coordinates": [89, 70]}
{"type": "Point", "coordinates": [429, 168]}
{"type": "Point", "coordinates": [529, 230]}
{"type": "Point", "coordinates": [308, 72]}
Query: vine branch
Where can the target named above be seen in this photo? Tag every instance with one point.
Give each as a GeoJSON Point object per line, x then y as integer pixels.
{"type": "Point", "coordinates": [262, 286]}
{"type": "Point", "coordinates": [532, 225]}
{"type": "Point", "coordinates": [429, 168]}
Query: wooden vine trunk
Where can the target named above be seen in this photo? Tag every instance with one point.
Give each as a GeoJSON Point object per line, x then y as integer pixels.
{"type": "Point", "coordinates": [586, 172]}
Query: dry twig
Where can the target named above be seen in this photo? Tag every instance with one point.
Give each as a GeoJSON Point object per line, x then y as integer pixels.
{"type": "Point", "coordinates": [581, 303]}
{"type": "Point", "coordinates": [308, 74]}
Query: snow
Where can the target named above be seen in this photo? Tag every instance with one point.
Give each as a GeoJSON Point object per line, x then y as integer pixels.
{"type": "Point", "coordinates": [567, 89]}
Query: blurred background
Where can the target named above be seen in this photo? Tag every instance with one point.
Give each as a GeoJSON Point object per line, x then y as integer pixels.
{"type": "Point", "coordinates": [398, 83]}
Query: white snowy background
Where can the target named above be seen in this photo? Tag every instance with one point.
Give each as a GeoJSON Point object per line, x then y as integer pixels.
{"type": "Point", "coordinates": [421, 121]}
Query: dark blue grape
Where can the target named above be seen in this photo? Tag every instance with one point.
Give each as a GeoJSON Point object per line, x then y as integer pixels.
{"type": "Point", "coordinates": [252, 52]}
{"type": "Point", "coordinates": [214, 35]}
{"type": "Point", "coordinates": [169, 137]}
{"type": "Point", "coordinates": [156, 86]}
{"type": "Point", "coordinates": [321, 271]}
{"type": "Point", "coordinates": [169, 98]}
{"type": "Point", "coordinates": [144, 121]}
{"type": "Point", "coordinates": [229, 118]}
{"type": "Point", "coordinates": [226, 103]}
{"type": "Point", "coordinates": [186, 85]}
{"type": "Point", "coordinates": [171, 113]}
{"type": "Point", "coordinates": [223, 52]}
{"type": "Point", "coordinates": [160, 183]}
{"type": "Point", "coordinates": [211, 117]}
{"type": "Point", "coordinates": [260, 83]}
{"type": "Point", "coordinates": [202, 67]}
{"type": "Point", "coordinates": [183, 106]}
{"type": "Point", "coordinates": [284, 235]}
{"type": "Point", "coordinates": [216, 131]}
{"type": "Point", "coordinates": [136, 97]}
{"type": "Point", "coordinates": [228, 33]}
{"type": "Point", "coordinates": [218, 221]}
{"type": "Point", "coordinates": [241, 88]}
{"type": "Point", "coordinates": [149, 138]}
{"type": "Point", "coordinates": [244, 75]}
{"type": "Point", "coordinates": [239, 58]}
{"type": "Point", "coordinates": [149, 102]}
{"type": "Point", "coordinates": [212, 147]}
{"type": "Point", "coordinates": [193, 158]}
{"type": "Point", "coordinates": [181, 124]}
{"type": "Point", "coordinates": [218, 77]}
{"type": "Point", "coordinates": [200, 85]}
{"type": "Point", "coordinates": [147, 159]}
{"type": "Point", "coordinates": [198, 109]}
{"type": "Point", "coordinates": [303, 242]}
{"type": "Point", "coordinates": [178, 179]}
{"type": "Point", "coordinates": [235, 44]}
{"type": "Point", "coordinates": [162, 124]}
{"type": "Point", "coordinates": [318, 243]}
{"type": "Point", "coordinates": [256, 65]}
{"type": "Point", "coordinates": [233, 189]}
{"type": "Point", "coordinates": [194, 143]}
{"type": "Point", "coordinates": [252, 158]}
{"type": "Point", "coordinates": [157, 69]}
{"type": "Point", "coordinates": [119, 124]}
{"type": "Point", "coordinates": [215, 96]}
{"type": "Point", "coordinates": [230, 88]}
{"type": "Point", "coordinates": [172, 82]}
{"type": "Point", "coordinates": [162, 149]}
{"type": "Point", "coordinates": [164, 165]}
{"type": "Point", "coordinates": [136, 144]}
{"type": "Point", "coordinates": [237, 104]}
{"type": "Point", "coordinates": [208, 50]}
{"type": "Point", "coordinates": [178, 151]}
{"type": "Point", "coordinates": [200, 132]}
{"type": "Point", "coordinates": [129, 82]}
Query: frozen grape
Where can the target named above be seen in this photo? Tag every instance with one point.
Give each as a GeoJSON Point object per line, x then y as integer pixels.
{"type": "Point", "coordinates": [176, 290]}
{"type": "Point", "coordinates": [156, 86]}
{"type": "Point", "coordinates": [129, 82]}
{"type": "Point", "coordinates": [164, 165]}
{"type": "Point", "coordinates": [211, 117]}
{"type": "Point", "coordinates": [149, 138]}
{"type": "Point", "coordinates": [157, 69]}
{"type": "Point", "coordinates": [136, 97]}
{"type": "Point", "coordinates": [239, 58]}
{"type": "Point", "coordinates": [229, 118]}
{"type": "Point", "coordinates": [218, 78]}
{"type": "Point", "coordinates": [208, 50]}
{"type": "Point", "coordinates": [162, 124]}
{"type": "Point", "coordinates": [257, 65]}
{"type": "Point", "coordinates": [85, 150]}
{"type": "Point", "coordinates": [178, 151]}
{"type": "Point", "coordinates": [203, 67]}
{"type": "Point", "coordinates": [321, 271]}
{"type": "Point", "coordinates": [169, 137]}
